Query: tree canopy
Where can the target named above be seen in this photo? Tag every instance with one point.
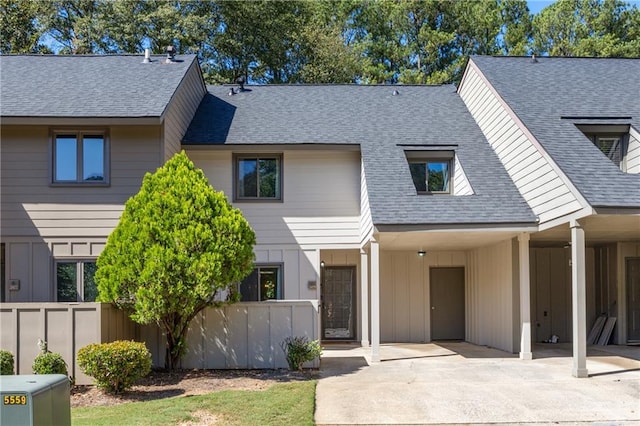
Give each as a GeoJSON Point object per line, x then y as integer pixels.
{"type": "Point", "coordinates": [322, 41]}
{"type": "Point", "coordinates": [178, 244]}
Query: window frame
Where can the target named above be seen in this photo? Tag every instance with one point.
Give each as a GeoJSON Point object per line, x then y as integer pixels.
{"type": "Point", "coordinates": [80, 288]}
{"type": "Point", "coordinates": [237, 157]}
{"type": "Point", "coordinates": [427, 157]}
{"type": "Point", "coordinates": [80, 134]}
{"type": "Point", "coordinates": [279, 284]}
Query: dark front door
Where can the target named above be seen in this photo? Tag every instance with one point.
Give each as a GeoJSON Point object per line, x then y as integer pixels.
{"type": "Point", "coordinates": [633, 299]}
{"type": "Point", "coordinates": [338, 302]}
{"type": "Point", "coordinates": [447, 303]}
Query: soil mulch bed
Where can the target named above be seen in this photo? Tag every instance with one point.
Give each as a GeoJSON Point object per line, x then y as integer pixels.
{"type": "Point", "coordinates": [165, 384]}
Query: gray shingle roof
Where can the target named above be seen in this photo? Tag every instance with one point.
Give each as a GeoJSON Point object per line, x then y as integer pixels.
{"type": "Point", "coordinates": [88, 86]}
{"type": "Point", "coordinates": [542, 92]}
{"type": "Point", "coordinates": [378, 121]}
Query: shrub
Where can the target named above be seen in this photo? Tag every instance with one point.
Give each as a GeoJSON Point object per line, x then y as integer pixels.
{"type": "Point", "coordinates": [49, 363]}
{"type": "Point", "coordinates": [6, 363]}
{"type": "Point", "coordinates": [300, 350]}
{"type": "Point", "coordinates": [115, 366]}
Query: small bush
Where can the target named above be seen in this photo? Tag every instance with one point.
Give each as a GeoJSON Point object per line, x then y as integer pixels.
{"type": "Point", "coordinates": [49, 363]}
{"type": "Point", "coordinates": [300, 350]}
{"type": "Point", "coordinates": [6, 363]}
{"type": "Point", "coordinates": [115, 366]}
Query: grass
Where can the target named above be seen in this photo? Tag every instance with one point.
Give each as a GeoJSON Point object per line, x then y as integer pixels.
{"type": "Point", "coordinates": [290, 403]}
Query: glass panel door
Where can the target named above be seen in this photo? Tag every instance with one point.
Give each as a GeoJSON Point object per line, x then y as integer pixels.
{"type": "Point", "coordinates": [338, 302]}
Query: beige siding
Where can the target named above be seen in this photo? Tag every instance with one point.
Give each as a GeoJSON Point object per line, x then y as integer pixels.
{"type": "Point", "coordinates": [321, 198]}
{"type": "Point", "coordinates": [31, 206]}
{"type": "Point", "coordinates": [404, 293]}
{"type": "Point", "coordinates": [366, 222]}
{"type": "Point", "coordinates": [242, 335]}
{"type": "Point", "coordinates": [536, 177]}
{"type": "Point", "coordinates": [461, 185]}
{"type": "Point", "coordinates": [65, 327]}
{"type": "Point", "coordinates": [632, 158]}
{"type": "Point", "coordinates": [181, 110]}
{"type": "Point", "coordinates": [31, 261]}
{"type": "Point", "coordinates": [490, 296]}
{"type": "Point", "coordinates": [300, 269]}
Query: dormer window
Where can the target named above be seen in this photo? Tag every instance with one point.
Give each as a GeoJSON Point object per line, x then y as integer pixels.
{"type": "Point", "coordinates": [611, 139]}
{"type": "Point", "coordinates": [431, 171]}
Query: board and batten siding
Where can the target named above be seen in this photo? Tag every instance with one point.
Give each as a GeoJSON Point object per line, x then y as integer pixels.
{"type": "Point", "coordinates": [461, 185]}
{"type": "Point", "coordinates": [32, 207]}
{"type": "Point", "coordinates": [181, 110]}
{"type": "Point", "coordinates": [405, 314]}
{"type": "Point", "coordinates": [321, 198]}
{"type": "Point", "coordinates": [532, 171]}
{"type": "Point", "coordinates": [492, 293]}
{"type": "Point", "coordinates": [366, 222]}
{"type": "Point", "coordinates": [632, 158]}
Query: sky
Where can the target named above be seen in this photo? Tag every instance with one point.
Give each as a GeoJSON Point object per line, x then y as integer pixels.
{"type": "Point", "coordinates": [535, 6]}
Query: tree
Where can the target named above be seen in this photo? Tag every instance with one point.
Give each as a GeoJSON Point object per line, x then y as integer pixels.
{"type": "Point", "coordinates": [20, 29]}
{"type": "Point", "coordinates": [178, 244]}
{"type": "Point", "coordinates": [609, 28]}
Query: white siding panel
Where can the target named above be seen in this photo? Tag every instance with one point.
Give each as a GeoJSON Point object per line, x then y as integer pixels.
{"type": "Point", "coordinates": [633, 152]}
{"type": "Point", "coordinates": [366, 222]}
{"type": "Point", "coordinates": [461, 185]}
{"type": "Point", "coordinates": [181, 110]}
{"type": "Point", "coordinates": [529, 169]}
{"type": "Point", "coordinates": [490, 313]}
{"type": "Point", "coordinates": [30, 206]}
{"type": "Point", "coordinates": [321, 198]}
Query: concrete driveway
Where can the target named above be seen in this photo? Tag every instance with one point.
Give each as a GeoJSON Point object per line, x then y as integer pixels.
{"type": "Point", "coordinates": [461, 383]}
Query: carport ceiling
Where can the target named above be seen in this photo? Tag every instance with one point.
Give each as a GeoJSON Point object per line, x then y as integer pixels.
{"type": "Point", "coordinates": [598, 229]}
{"type": "Point", "coordinates": [441, 240]}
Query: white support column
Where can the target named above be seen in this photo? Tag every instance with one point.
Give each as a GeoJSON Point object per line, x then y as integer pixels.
{"type": "Point", "coordinates": [579, 300]}
{"type": "Point", "coordinates": [364, 299]}
{"type": "Point", "coordinates": [525, 297]}
{"type": "Point", "coordinates": [375, 301]}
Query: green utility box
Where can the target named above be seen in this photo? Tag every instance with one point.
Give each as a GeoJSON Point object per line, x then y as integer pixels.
{"type": "Point", "coordinates": [37, 399]}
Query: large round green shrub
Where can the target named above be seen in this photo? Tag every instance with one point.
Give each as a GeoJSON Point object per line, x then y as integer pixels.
{"type": "Point", "coordinates": [49, 363]}
{"type": "Point", "coordinates": [6, 363]}
{"type": "Point", "coordinates": [115, 366]}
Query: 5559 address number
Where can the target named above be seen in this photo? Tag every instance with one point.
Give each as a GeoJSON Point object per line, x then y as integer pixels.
{"type": "Point", "coordinates": [14, 400]}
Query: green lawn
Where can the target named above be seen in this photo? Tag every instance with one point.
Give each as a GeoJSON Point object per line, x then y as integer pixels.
{"type": "Point", "coordinates": [290, 403]}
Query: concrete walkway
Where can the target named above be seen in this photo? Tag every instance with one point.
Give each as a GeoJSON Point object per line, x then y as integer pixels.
{"type": "Point", "coordinates": [461, 383]}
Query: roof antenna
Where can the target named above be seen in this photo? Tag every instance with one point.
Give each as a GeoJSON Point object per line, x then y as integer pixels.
{"type": "Point", "coordinates": [533, 58]}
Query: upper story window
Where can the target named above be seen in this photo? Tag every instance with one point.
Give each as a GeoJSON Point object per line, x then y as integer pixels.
{"type": "Point", "coordinates": [431, 171]}
{"type": "Point", "coordinates": [610, 145]}
{"type": "Point", "coordinates": [264, 283]}
{"type": "Point", "coordinates": [74, 281]}
{"type": "Point", "coordinates": [258, 177]}
{"type": "Point", "coordinates": [80, 158]}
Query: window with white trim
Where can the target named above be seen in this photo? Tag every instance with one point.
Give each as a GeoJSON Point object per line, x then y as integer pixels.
{"type": "Point", "coordinates": [264, 283]}
{"type": "Point", "coordinates": [80, 157]}
{"type": "Point", "coordinates": [75, 281]}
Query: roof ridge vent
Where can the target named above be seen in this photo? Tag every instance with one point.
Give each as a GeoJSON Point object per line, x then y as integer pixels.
{"type": "Point", "coordinates": [147, 56]}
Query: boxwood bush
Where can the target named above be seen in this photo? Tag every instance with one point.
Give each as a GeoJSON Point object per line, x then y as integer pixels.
{"type": "Point", "coordinates": [115, 366]}
{"type": "Point", "coordinates": [299, 350]}
{"type": "Point", "coordinates": [49, 363]}
{"type": "Point", "coordinates": [6, 363]}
